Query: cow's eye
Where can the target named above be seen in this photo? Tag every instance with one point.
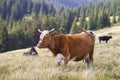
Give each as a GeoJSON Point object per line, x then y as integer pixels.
{"type": "Point", "coordinates": [45, 37]}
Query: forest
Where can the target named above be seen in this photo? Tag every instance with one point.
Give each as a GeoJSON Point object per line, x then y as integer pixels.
{"type": "Point", "coordinates": [20, 19]}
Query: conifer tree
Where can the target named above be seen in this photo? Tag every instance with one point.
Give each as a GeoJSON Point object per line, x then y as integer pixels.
{"type": "Point", "coordinates": [114, 19]}
{"type": "Point", "coordinates": [92, 23]}
{"type": "Point", "coordinates": [74, 28]}
{"type": "Point", "coordinates": [70, 18]}
{"type": "Point", "coordinates": [118, 13]}
{"type": "Point", "coordinates": [83, 22]}
{"type": "Point", "coordinates": [105, 21]}
{"type": "Point", "coordinates": [62, 23]}
{"type": "Point", "coordinates": [3, 36]}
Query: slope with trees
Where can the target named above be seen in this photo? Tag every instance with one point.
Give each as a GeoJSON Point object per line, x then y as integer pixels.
{"type": "Point", "coordinates": [21, 18]}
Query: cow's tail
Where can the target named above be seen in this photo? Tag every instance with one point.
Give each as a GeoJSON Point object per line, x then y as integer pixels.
{"type": "Point", "coordinates": [91, 33]}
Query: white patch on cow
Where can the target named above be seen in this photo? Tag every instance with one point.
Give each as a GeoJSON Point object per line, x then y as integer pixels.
{"type": "Point", "coordinates": [59, 57]}
{"type": "Point", "coordinates": [74, 58]}
{"type": "Point", "coordinates": [82, 32]}
{"type": "Point", "coordinates": [43, 34]}
{"type": "Point", "coordinates": [91, 65]}
{"type": "Point", "coordinates": [89, 32]}
{"type": "Point", "coordinates": [93, 33]}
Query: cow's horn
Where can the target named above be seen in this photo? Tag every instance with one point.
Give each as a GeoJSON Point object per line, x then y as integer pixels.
{"type": "Point", "coordinates": [52, 30]}
{"type": "Point", "coordinates": [39, 30]}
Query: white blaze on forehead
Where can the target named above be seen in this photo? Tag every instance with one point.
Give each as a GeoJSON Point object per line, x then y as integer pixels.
{"type": "Point", "coordinates": [43, 34]}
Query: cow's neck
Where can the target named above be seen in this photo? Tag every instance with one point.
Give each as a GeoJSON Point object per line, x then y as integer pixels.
{"type": "Point", "coordinates": [53, 47]}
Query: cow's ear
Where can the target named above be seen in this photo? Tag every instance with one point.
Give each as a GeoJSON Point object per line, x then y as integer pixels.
{"type": "Point", "coordinates": [53, 33]}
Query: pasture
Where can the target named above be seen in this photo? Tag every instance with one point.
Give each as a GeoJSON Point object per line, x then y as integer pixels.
{"type": "Point", "coordinates": [106, 66]}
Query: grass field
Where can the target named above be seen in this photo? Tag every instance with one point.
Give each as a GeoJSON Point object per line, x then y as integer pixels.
{"type": "Point", "coordinates": [15, 66]}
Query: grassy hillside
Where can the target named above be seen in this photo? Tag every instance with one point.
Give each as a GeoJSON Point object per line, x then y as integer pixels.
{"type": "Point", "coordinates": [15, 66]}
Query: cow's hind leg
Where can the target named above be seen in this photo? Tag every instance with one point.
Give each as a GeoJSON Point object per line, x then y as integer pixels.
{"type": "Point", "coordinates": [87, 61]}
{"type": "Point", "coordinates": [91, 59]}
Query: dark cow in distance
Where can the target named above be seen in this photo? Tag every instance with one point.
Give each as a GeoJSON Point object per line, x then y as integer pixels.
{"type": "Point", "coordinates": [104, 38]}
{"type": "Point", "coordinates": [32, 52]}
{"type": "Point", "coordinates": [69, 47]}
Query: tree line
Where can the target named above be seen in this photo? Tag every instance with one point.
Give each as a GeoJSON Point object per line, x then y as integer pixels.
{"type": "Point", "coordinates": [20, 19]}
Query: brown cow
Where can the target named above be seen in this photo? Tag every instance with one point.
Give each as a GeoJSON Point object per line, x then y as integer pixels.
{"type": "Point", "coordinates": [71, 47]}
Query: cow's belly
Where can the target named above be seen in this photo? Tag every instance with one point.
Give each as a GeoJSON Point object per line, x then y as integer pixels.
{"type": "Point", "coordinates": [77, 58]}
{"type": "Point", "coordinates": [78, 54]}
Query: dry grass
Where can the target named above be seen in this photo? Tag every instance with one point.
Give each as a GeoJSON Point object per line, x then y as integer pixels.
{"type": "Point", "coordinates": [15, 66]}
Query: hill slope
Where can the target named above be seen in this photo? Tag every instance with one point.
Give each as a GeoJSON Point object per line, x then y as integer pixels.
{"type": "Point", "coordinates": [15, 66]}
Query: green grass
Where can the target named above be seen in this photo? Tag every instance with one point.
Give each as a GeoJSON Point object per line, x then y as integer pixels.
{"type": "Point", "coordinates": [15, 66]}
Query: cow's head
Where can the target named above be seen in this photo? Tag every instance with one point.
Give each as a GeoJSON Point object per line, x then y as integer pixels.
{"type": "Point", "coordinates": [46, 38]}
{"type": "Point", "coordinates": [110, 37]}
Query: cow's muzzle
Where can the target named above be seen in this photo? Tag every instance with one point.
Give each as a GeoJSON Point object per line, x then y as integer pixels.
{"type": "Point", "coordinates": [39, 45]}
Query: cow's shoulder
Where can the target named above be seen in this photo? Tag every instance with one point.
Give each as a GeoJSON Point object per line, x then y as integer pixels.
{"type": "Point", "coordinates": [61, 40]}
{"type": "Point", "coordinates": [61, 37]}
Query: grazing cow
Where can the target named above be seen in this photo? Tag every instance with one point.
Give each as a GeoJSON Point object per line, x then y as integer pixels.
{"type": "Point", "coordinates": [32, 51]}
{"type": "Point", "coordinates": [104, 38]}
{"type": "Point", "coordinates": [71, 47]}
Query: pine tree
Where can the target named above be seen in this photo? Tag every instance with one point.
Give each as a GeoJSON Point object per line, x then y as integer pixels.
{"type": "Point", "coordinates": [62, 23]}
{"type": "Point", "coordinates": [92, 22]}
{"type": "Point", "coordinates": [70, 18]}
{"type": "Point", "coordinates": [3, 36]}
{"type": "Point", "coordinates": [83, 22]}
{"type": "Point", "coordinates": [119, 18]}
{"type": "Point", "coordinates": [114, 19]}
{"type": "Point", "coordinates": [118, 13]}
{"type": "Point", "coordinates": [105, 21]}
{"type": "Point", "coordinates": [74, 29]}
{"type": "Point", "coordinates": [99, 24]}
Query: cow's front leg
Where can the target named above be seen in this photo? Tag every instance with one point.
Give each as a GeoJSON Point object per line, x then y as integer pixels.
{"type": "Point", "coordinates": [66, 59]}
{"type": "Point", "coordinates": [59, 59]}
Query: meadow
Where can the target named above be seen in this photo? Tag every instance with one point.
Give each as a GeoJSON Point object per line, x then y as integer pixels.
{"type": "Point", "coordinates": [15, 66]}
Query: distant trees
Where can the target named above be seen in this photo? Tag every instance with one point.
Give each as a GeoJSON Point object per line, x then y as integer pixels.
{"type": "Point", "coordinates": [118, 18]}
{"type": "Point", "coordinates": [83, 21]}
{"type": "Point", "coordinates": [17, 9]}
{"type": "Point", "coordinates": [74, 28]}
{"type": "Point", "coordinates": [70, 18]}
{"type": "Point", "coordinates": [105, 21]}
{"type": "Point", "coordinates": [118, 12]}
{"type": "Point", "coordinates": [3, 36]}
{"type": "Point", "coordinates": [92, 23]}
